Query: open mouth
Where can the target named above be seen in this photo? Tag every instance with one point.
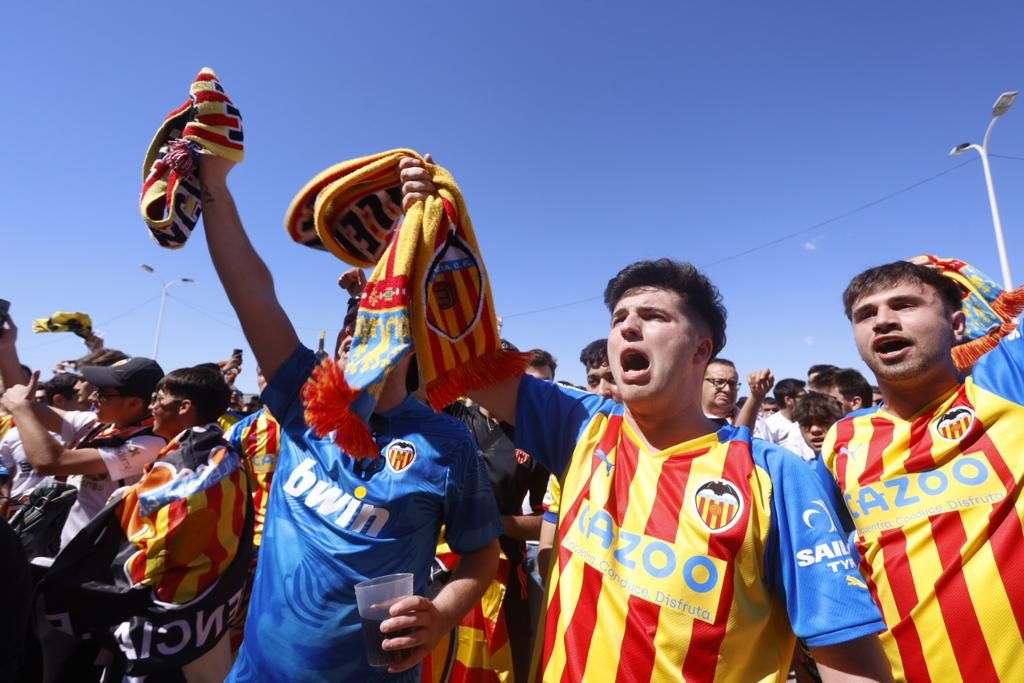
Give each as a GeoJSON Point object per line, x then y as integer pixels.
{"type": "Point", "coordinates": [890, 347]}
{"type": "Point", "coordinates": [634, 363]}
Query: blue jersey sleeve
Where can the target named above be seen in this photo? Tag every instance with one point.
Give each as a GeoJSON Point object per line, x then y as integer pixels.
{"type": "Point", "coordinates": [808, 561]}
{"type": "Point", "coordinates": [281, 396]}
{"type": "Point", "coordinates": [1001, 370]}
{"type": "Point", "coordinates": [549, 418]}
{"type": "Point", "coordinates": [471, 514]}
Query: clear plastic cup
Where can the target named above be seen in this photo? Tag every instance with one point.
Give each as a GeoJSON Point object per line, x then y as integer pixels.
{"type": "Point", "coordinates": [374, 598]}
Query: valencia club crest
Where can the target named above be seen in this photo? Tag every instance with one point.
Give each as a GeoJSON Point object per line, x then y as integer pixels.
{"type": "Point", "coordinates": [719, 504]}
{"type": "Point", "coordinates": [955, 423]}
{"type": "Point", "coordinates": [400, 455]}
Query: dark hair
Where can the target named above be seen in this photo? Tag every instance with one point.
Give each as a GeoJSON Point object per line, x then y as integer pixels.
{"type": "Point", "coordinates": [820, 367]}
{"type": "Point", "coordinates": [506, 345]}
{"type": "Point", "coordinates": [787, 388]}
{"type": "Point", "coordinates": [700, 297]}
{"type": "Point", "coordinates": [61, 384]}
{"type": "Point", "coordinates": [851, 383]}
{"type": "Point", "coordinates": [543, 359]}
{"type": "Point", "coordinates": [204, 385]}
{"type": "Point", "coordinates": [815, 408]}
{"type": "Point", "coordinates": [26, 369]}
{"type": "Point", "coordinates": [722, 361]}
{"type": "Point", "coordinates": [885, 276]}
{"type": "Point", "coordinates": [595, 354]}
{"type": "Point", "coordinates": [102, 357]}
{"type": "Point", "coordinates": [822, 380]}
{"type": "Point", "coordinates": [768, 400]}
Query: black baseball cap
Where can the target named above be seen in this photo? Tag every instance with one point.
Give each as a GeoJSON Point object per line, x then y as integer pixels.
{"type": "Point", "coordinates": [131, 376]}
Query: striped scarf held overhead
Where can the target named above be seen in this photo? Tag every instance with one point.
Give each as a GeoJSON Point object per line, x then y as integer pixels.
{"type": "Point", "coordinates": [428, 292]}
{"type": "Point", "coordinates": [207, 123]}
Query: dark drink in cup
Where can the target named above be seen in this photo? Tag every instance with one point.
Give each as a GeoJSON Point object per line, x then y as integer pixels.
{"type": "Point", "coordinates": [374, 599]}
{"type": "Point", "coordinates": [376, 655]}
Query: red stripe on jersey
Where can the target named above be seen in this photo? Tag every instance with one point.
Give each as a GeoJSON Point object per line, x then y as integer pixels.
{"type": "Point", "coordinates": [1005, 533]}
{"type": "Point", "coordinates": [642, 615]}
{"type": "Point", "coordinates": [627, 459]}
{"type": "Point", "coordinates": [881, 438]}
{"type": "Point", "coordinates": [844, 434]}
{"type": "Point", "coordinates": [920, 457]}
{"type": "Point", "coordinates": [706, 639]}
{"type": "Point", "coordinates": [551, 619]}
{"type": "Point", "coordinates": [567, 519]}
{"type": "Point", "coordinates": [580, 629]}
{"type": "Point", "coordinates": [965, 635]}
{"type": "Point", "coordinates": [904, 594]}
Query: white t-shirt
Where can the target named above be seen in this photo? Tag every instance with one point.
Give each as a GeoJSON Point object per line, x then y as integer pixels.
{"type": "Point", "coordinates": [124, 467]}
{"type": "Point", "coordinates": [786, 433]}
{"type": "Point", "coordinates": [12, 452]}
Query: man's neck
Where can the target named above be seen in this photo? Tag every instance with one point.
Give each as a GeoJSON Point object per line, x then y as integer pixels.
{"type": "Point", "coordinates": [660, 431]}
{"type": "Point", "coordinates": [906, 399]}
{"type": "Point", "coordinates": [787, 413]}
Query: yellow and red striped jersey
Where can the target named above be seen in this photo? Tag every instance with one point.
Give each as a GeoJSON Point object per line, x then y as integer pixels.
{"type": "Point", "coordinates": [257, 439]}
{"type": "Point", "coordinates": [695, 563]}
{"type": "Point", "coordinates": [937, 507]}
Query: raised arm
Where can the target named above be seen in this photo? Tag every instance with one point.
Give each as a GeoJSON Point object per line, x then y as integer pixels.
{"type": "Point", "coordinates": [760, 383]}
{"type": "Point", "coordinates": [245, 276]}
{"type": "Point", "coordinates": [10, 366]}
{"type": "Point", "coordinates": [499, 399]}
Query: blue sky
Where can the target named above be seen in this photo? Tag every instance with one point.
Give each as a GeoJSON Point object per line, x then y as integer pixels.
{"type": "Point", "coordinates": [585, 135]}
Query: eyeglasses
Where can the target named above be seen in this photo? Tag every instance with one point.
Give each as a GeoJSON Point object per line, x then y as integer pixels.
{"type": "Point", "coordinates": [155, 399]}
{"type": "Point", "coordinates": [719, 383]}
{"type": "Point", "coordinates": [106, 397]}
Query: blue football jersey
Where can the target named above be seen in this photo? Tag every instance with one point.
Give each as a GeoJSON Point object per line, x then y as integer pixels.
{"type": "Point", "coordinates": [334, 521]}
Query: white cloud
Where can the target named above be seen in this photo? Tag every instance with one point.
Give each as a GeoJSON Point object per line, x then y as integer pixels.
{"type": "Point", "coordinates": [809, 340]}
{"type": "Point", "coordinates": [810, 246]}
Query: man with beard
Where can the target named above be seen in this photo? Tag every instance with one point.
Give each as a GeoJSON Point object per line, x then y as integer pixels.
{"type": "Point", "coordinates": [932, 480]}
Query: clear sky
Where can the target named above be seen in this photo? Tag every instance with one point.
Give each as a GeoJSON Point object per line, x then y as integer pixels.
{"type": "Point", "coordinates": [585, 135]}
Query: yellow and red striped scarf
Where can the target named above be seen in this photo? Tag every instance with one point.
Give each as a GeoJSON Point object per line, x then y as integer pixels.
{"type": "Point", "coordinates": [207, 123]}
{"type": "Point", "coordinates": [428, 291]}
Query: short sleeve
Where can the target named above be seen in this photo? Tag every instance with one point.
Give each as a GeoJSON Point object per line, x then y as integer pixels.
{"type": "Point", "coordinates": [128, 460]}
{"type": "Point", "coordinates": [74, 423]}
{"type": "Point", "coordinates": [549, 418]}
{"type": "Point", "coordinates": [471, 513]}
{"type": "Point", "coordinates": [281, 395]}
{"type": "Point", "coordinates": [552, 499]}
{"type": "Point", "coordinates": [1001, 370]}
{"type": "Point", "coordinates": [808, 561]}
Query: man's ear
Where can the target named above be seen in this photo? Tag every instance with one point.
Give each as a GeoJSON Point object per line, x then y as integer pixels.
{"type": "Point", "coordinates": [185, 407]}
{"type": "Point", "coordinates": [959, 321]}
{"type": "Point", "coordinates": [856, 403]}
{"type": "Point", "coordinates": [702, 355]}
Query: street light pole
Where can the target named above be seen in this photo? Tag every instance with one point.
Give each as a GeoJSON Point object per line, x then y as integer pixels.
{"type": "Point", "coordinates": [163, 302]}
{"type": "Point", "coordinates": [1001, 106]}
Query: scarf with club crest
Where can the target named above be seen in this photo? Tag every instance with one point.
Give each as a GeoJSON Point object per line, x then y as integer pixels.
{"type": "Point", "coordinates": [428, 291]}
{"type": "Point", "coordinates": [207, 123]}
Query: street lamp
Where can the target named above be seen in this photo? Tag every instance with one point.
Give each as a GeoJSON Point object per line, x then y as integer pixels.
{"type": "Point", "coordinates": [1001, 106]}
{"type": "Point", "coordinates": [163, 301]}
